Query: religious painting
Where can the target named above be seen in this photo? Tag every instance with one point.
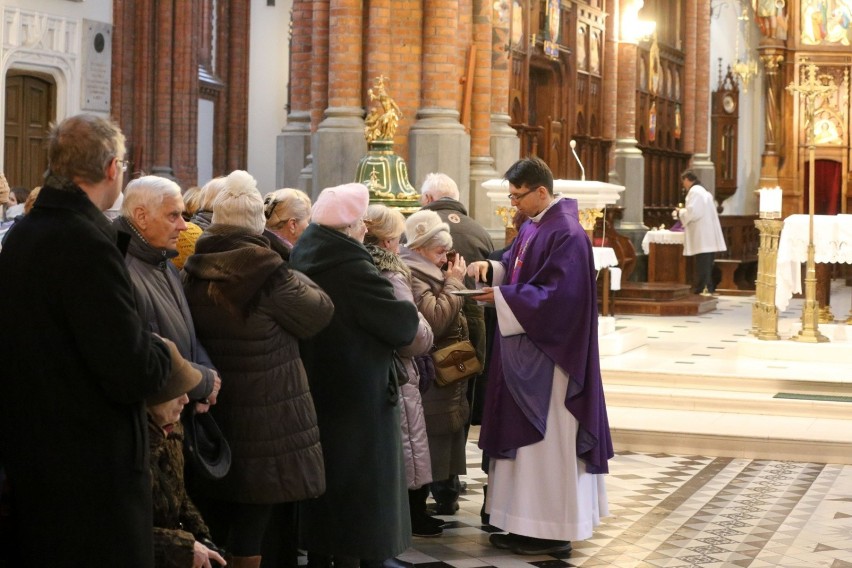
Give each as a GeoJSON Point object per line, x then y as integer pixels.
{"type": "Point", "coordinates": [826, 22]}
{"type": "Point", "coordinates": [771, 18]}
{"type": "Point", "coordinates": [551, 40]}
{"type": "Point", "coordinates": [582, 60]}
{"type": "Point", "coordinates": [595, 52]}
{"type": "Point", "coordinates": [517, 23]}
{"type": "Point", "coordinates": [827, 129]}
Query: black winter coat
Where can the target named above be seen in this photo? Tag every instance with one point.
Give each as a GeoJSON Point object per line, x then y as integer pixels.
{"type": "Point", "coordinates": [73, 431]}
{"type": "Point", "coordinates": [364, 513]}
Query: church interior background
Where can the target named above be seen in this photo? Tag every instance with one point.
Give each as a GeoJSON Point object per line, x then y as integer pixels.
{"type": "Point", "coordinates": [732, 438]}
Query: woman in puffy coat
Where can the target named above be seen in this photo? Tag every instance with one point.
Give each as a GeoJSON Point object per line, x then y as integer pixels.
{"type": "Point", "coordinates": [363, 517]}
{"type": "Point", "coordinates": [384, 228]}
{"type": "Point", "coordinates": [446, 407]}
{"type": "Point", "coordinates": [250, 310]}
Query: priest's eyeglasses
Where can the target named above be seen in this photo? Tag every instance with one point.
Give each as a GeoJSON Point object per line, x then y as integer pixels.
{"type": "Point", "coordinates": [518, 196]}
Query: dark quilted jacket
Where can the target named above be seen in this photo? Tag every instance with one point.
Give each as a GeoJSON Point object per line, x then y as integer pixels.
{"type": "Point", "coordinates": [250, 310]}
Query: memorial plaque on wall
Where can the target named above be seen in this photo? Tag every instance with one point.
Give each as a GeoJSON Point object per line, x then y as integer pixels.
{"type": "Point", "coordinates": [97, 66]}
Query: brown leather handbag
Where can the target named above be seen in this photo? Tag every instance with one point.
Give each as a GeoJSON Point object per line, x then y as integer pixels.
{"type": "Point", "coordinates": [456, 361]}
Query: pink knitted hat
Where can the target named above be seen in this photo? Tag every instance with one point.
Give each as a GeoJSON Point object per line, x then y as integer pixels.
{"type": "Point", "coordinates": [341, 206]}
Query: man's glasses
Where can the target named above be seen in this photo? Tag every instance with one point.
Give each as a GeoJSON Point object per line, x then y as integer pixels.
{"type": "Point", "coordinates": [122, 164]}
{"type": "Point", "coordinates": [518, 196]}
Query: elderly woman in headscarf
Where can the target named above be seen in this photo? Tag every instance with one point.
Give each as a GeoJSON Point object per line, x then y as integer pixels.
{"type": "Point", "coordinates": [250, 310]}
{"type": "Point", "coordinates": [384, 229]}
{"type": "Point", "coordinates": [428, 241]}
{"type": "Point", "coordinates": [288, 212]}
{"type": "Point", "coordinates": [363, 515]}
{"type": "Point", "coordinates": [181, 538]}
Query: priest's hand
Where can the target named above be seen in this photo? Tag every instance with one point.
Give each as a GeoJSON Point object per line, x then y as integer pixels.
{"type": "Point", "coordinates": [487, 296]}
{"type": "Point", "coordinates": [478, 271]}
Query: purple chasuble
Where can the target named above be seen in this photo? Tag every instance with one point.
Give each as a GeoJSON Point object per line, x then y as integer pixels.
{"type": "Point", "coordinates": [554, 298]}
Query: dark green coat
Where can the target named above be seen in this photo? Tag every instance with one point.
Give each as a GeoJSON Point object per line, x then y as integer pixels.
{"type": "Point", "coordinates": [364, 512]}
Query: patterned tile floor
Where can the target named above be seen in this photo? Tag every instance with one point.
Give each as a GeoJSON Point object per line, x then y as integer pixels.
{"type": "Point", "coordinates": [689, 511]}
{"type": "Point", "coordinates": [680, 511]}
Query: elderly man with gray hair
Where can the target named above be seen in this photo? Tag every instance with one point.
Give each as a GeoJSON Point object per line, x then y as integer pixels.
{"type": "Point", "coordinates": [151, 216]}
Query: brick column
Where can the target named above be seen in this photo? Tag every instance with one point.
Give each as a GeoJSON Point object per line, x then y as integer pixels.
{"type": "Point", "coordinates": [184, 128]}
{"type": "Point", "coordinates": [319, 61]}
{"type": "Point", "coordinates": [481, 161]}
{"type": "Point", "coordinates": [339, 141]}
{"type": "Point", "coordinates": [505, 144]}
{"type": "Point", "coordinates": [610, 77]}
{"type": "Point", "coordinates": [162, 81]}
{"type": "Point", "coordinates": [294, 142]}
{"type": "Point", "coordinates": [689, 74]}
{"type": "Point", "coordinates": [231, 114]}
{"type": "Point", "coordinates": [701, 162]}
{"type": "Point", "coordinates": [629, 169]}
{"type": "Point", "coordinates": [437, 141]}
{"type": "Point", "coordinates": [406, 62]}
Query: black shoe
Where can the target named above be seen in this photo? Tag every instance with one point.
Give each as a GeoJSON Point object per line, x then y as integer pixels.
{"type": "Point", "coordinates": [427, 527]}
{"type": "Point", "coordinates": [446, 508]}
{"type": "Point", "coordinates": [503, 541]}
{"type": "Point", "coordinates": [530, 546]}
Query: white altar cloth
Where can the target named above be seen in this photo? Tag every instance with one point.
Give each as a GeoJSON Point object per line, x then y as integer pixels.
{"type": "Point", "coordinates": [832, 243]}
{"type": "Point", "coordinates": [664, 237]}
{"type": "Point", "coordinates": [604, 257]}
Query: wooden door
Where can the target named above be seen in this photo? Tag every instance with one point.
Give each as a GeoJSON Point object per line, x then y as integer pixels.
{"type": "Point", "coordinates": [30, 107]}
{"type": "Point", "coordinates": [546, 115]}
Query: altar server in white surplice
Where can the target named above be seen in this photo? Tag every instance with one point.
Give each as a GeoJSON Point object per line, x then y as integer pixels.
{"type": "Point", "coordinates": [703, 237]}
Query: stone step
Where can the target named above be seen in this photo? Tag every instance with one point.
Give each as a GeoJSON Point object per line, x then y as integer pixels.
{"type": "Point", "coordinates": [703, 400]}
{"type": "Point", "coordinates": [724, 434]}
{"type": "Point", "coordinates": [731, 383]}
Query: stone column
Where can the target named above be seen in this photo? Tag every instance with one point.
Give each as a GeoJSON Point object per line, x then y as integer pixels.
{"type": "Point", "coordinates": [701, 163]}
{"type": "Point", "coordinates": [294, 142]}
{"type": "Point", "coordinates": [339, 142]}
{"type": "Point", "coordinates": [319, 84]}
{"type": "Point", "coordinates": [437, 140]}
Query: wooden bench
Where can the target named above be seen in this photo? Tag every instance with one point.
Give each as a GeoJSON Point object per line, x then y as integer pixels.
{"type": "Point", "coordinates": [738, 265]}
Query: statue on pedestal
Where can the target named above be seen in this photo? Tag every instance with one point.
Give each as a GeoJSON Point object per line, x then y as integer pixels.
{"type": "Point", "coordinates": [383, 172]}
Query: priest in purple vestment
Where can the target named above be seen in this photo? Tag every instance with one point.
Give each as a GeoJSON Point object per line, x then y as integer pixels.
{"type": "Point", "coordinates": [545, 424]}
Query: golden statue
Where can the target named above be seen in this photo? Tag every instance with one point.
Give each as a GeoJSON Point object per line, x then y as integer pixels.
{"type": "Point", "coordinates": [383, 119]}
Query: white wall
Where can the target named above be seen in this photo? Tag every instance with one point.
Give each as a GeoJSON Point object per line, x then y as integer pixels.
{"type": "Point", "coordinates": [268, 76]}
{"type": "Point", "coordinates": [100, 10]}
{"type": "Point", "coordinates": [206, 124]}
{"type": "Point", "coordinates": [31, 38]}
{"type": "Point", "coordinates": [750, 140]}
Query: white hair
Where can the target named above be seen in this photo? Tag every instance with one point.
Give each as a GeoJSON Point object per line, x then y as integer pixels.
{"type": "Point", "coordinates": [209, 192]}
{"type": "Point", "coordinates": [149, 192]}
{"type": "Point", "coordinates": [438, 185]}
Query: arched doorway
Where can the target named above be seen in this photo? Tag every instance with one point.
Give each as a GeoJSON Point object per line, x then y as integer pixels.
{"type": "Point", "coordinates": [30, 108]}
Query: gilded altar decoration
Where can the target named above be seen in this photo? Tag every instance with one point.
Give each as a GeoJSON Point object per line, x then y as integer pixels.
{"type": "Point", "coordinates": [383, 119]}
{"type": "Point", "coordinates": [384, 172]}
